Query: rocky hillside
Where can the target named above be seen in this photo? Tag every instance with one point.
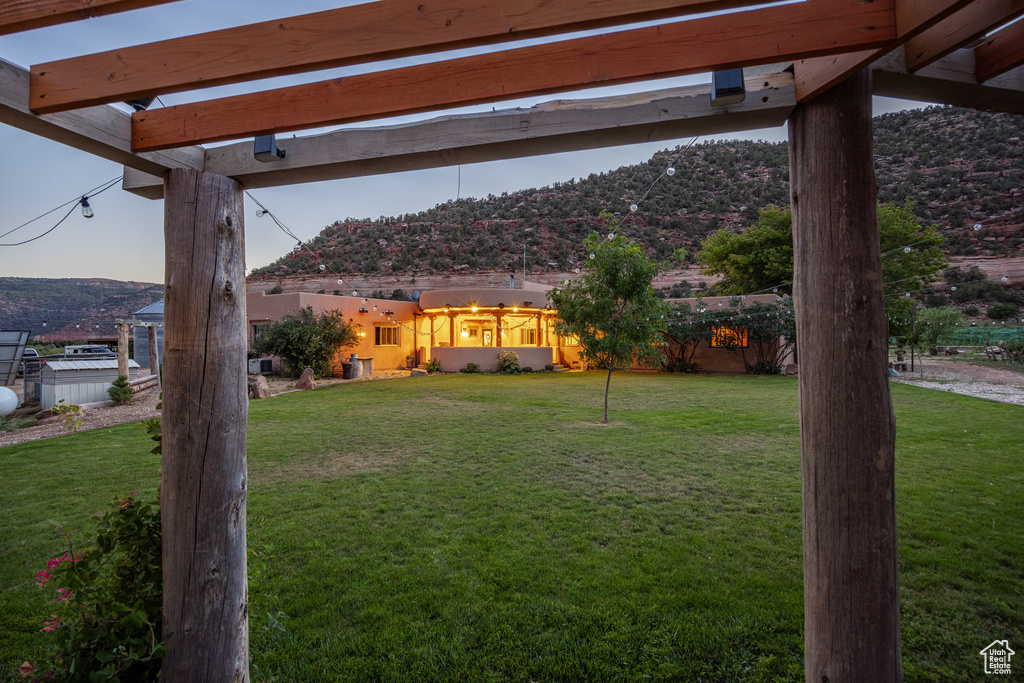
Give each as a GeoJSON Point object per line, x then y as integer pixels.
{"type": "Point", "coordinates": [956, 167]}
{"type": "Point", "coordinates": [73, 308]}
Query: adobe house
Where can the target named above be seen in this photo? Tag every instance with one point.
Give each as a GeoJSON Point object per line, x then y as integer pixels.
{"type": "Point", "coordinates": [454, 326]}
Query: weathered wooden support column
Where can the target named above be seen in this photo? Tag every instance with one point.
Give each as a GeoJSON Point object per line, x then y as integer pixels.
{"type": "Point", "coordinates": [154, 363]}
{"type": "Point", "coordinates": [122, 349]}
{"type": "Point", "coordinates": [205, 408]}
{"type": "Point", "coordinates": [847, 426]}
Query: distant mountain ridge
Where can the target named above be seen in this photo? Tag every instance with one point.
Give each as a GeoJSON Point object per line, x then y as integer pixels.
{"type": "Point", "coordinates": [71, 308]}
{"type": "Point", "coordinates": [956, 166]}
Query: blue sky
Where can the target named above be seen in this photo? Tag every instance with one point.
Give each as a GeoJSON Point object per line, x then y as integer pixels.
{"type": "Point", "coordinates": [124, 240]}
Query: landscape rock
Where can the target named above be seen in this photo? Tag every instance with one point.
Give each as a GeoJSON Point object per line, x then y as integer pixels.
{"type": "Point", "coordinates": [306, 381]}
{"type": "Point", "coordinates": [791, 370]}
{"type": "Point", "coordinates": [419, 372]}
{"type": "Point", "coordinates": [258, 387]}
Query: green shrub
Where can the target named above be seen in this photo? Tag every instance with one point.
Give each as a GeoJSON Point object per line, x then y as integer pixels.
{"type": "Point", "coordinates": [549, 367]}
{"type": "Point", "coordinates": [70, 415]}
{"type": "Point", "coordinates": [971, 311]}
{"type": "Point", "coordinates": [508, 363]}
{"type": "Point", "coordinates": [765, 367]}
{"type": "Point", "coordinates": [276, 289]}
{"type": "Point", "coordinates": [433, 365]}
{"type": "Point", "coordinates": [526, 370]}
{"type": "Point", "coordinates": [471, 368]}
{"type": "Point", "coordinates": [1001, 311]}
{"type": "Point", "coordinates": [681, 364]}
{"type": "Point", "coordinates": [109, 601]}
{"type": "Point", "coordinates": [307, 340]}
{"type": "Point", "coordinates": [120, 391]}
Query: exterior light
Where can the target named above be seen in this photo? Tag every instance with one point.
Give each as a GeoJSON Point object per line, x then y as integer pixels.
{"type": "Point", "coordinates": [727, 87]}
{"type": "Point", "coordinates": [473, 309]}
{"type": "Point", "coordinates": [86, 209]}
{"type": "Point", "coordinates": [515, 309]}
{"type": "Point", "coordinates": [447, 307]}
{"type": "Point", "coordinates": [465, 333]}
{"type": "Point", "coordinates": [265, 149]}
{"type": "Point", "coordinates": [501, 306]}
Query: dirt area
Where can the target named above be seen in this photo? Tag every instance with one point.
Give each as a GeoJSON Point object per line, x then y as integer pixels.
{"type": "Point", "coordinates": [946, 373]}
{"type": "Point", "coordinates": [143, 407]}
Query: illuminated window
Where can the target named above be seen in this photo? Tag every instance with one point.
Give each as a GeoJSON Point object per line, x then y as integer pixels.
{"type": "Point", "coordinates": [572, 340]}
{"type": "Point", "coordinates": [729, 337]}
{"type": "Point", "coordinates": [386, 335]}
{"type": "Point", "coordinates": [528, 337]}
{"type": "Point", "coordinates": [474, 333]}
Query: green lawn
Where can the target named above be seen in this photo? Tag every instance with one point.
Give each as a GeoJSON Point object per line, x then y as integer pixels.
{"type": "Point", "coordinates": [478, 528]}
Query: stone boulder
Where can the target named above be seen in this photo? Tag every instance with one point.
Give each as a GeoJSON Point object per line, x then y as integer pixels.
{"type": "Point", "coordinates": [306, 381]}
{"type": "Point", "coordinates": [791, 369]}
{"type": "Point", "coordinates": [258, 387]}
{"type": "Point", "coordinates": [419, 372]}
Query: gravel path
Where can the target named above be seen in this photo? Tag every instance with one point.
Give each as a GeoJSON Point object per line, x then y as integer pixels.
{"type": "Point", "coordinates": [143, 407]}
{"type": "Point", "coordinates": [963, 377]}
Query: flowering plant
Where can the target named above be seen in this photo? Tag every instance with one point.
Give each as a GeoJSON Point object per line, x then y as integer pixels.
{"type": "Point", "coordinates": [508, 363]}
{"type": "Point", "coordinates": [108, 594]}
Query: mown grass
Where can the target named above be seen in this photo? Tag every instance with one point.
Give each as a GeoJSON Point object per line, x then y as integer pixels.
{"type": "Point", "coordinates": [488, 528]}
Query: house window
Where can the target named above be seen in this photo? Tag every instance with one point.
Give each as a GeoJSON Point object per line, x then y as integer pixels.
{"type": "Point", "coordinates": [724, 336]}
{"type": "Point", "coordinates": [386, 335]}
{"type": "Point", "coordinates": [528, 337]}
{"type": "Point", "coordinates": [474, 333]}
{"type": "Point", "coordinates": [257, 331]}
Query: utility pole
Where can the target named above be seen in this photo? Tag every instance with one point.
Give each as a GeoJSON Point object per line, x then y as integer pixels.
{"type": "Point", "coordinates": [523, 286]}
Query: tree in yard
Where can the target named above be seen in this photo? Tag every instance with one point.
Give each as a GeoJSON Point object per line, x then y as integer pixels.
{"type": "Point", "coordinates": [936, 323]}
{"type": "Point", "coordinates": [768, 329]}
{"type": "Point", "coordinates": [761, 257]}
{"type": "Point", "coordinates": [685, 331]}
{"type": "Point", "coordinates": [613, 309]}
{"type": "Point", "coordinates": [306, 340]}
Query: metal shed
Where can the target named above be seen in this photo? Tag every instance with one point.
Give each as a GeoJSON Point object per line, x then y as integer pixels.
{"type": "Point", "coordinates": [79, 381]}
{"type": "Point", "coordinates": [151, 315]}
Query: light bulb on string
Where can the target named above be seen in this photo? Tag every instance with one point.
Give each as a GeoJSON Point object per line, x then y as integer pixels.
{"type": "Point", "coordinates": [1004, 278]}
{"type": "Point", "coordinates": [953, 288]}
{"type": "Point", "coordinates": [340, 281]}
{"type": "Point", "coordinates": [906, 250]}
{"type": "Point", "coordinates": [592, 257]}
{"type": "Point", "coordinates": [908, 294]}
{"type": "Point", "coordinates": [323, 267]}
{"type": "Point", "coordinates": [776, 290]}
{"type": "Point", "coordinates": [86, 209]}
{"type": "Point", "coordinates": [633, 208]}
{"type": "Point", "coordinates": [611, 236]}
{"type": "Point", "coordinates": [977, 226]}
{"type": "Point", "coordinates": [671, 170]}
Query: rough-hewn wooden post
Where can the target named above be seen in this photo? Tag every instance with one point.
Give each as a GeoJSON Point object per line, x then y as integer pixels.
{"type": "Point", "coordinates": [122, 349]}
{"type": "Point", "coordinates": [847, 427]}
{"type": "Point", "coordinates": [154, 365]}
{"type": "Point", "coordinates": [205, 408]}
{"type": "Point", "coordinates": [497, 331]}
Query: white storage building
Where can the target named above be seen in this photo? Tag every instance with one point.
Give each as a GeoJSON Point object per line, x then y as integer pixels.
{"type": "Point", "coordinates": [79, 381]}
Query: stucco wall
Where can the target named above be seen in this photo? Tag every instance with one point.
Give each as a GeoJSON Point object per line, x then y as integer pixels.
{"type": "Point", "coordinates": [262, 307]}
{"type": "Point", "coordinates": [454, 359]}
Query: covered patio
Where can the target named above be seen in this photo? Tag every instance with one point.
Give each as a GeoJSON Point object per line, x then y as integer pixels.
{"type": "Point", "coordinates": [473, 325]}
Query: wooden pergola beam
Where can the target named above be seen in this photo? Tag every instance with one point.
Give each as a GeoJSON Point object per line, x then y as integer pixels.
{"type": "Point", "coordinates": [103, 131]}
{"type": "Point", "coordinates": [745, 38]}
{"type": "Point", "coordinates": [559, 126]}
{"type": "Point", "coordinates": [1002, 51]}
{"type": "Point", "coordinates": [967, 25]}
{"type": "Point", "coordinates": [22, 15]}
{"type": "Point", "coordinates": [367, 32]}
{"type": "Point", "coordinates": [815, 76]}
{"type": "Point", "coordinates": [951, 80]}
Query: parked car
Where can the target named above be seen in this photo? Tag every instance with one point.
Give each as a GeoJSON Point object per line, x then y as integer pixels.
{"type": "Point", "coordinates": [29, 354]}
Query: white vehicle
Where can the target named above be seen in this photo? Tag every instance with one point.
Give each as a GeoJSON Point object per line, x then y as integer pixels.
{"type": "Point", "coordinates": [89, 351]}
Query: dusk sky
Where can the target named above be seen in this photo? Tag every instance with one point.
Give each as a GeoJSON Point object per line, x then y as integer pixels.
{"type": "Point", "coordinates": [124, 240]}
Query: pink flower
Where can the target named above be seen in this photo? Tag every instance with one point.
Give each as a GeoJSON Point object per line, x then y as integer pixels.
{"type": "Point", "coordinates": [66, 557]}
{"type": "Point", "coordinates": [50, 625]}
{"type": "Point", "coordinates": [126, 501]}
{"type": "Point", "coordinates": [63, 594]}
{"type": "Point", "coordinates": [42, 578]}
{"type": "Point", "coordinates": [26, 670]}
